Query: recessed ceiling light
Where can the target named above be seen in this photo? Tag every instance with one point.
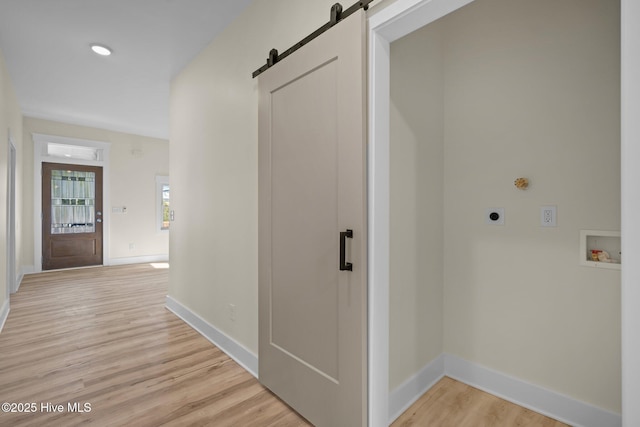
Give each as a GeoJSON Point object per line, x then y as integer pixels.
{"type": "Point", "coordinates": [100, 49]}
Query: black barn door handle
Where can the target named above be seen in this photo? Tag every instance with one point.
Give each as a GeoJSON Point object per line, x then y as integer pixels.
{"type": "Point", "coordinates": [345, 266]}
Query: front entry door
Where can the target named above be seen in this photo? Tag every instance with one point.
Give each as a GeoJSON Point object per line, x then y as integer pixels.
{"type": "Point", "coordinates": [312, 228]}
{"type": "Point", "coordinates": [71, 216]}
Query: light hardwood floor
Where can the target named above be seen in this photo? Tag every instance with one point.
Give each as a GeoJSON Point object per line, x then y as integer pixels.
{"type": "Point", "coordinates": [102, 336]}
{"type": "Point", "coordinates": [450, 403]}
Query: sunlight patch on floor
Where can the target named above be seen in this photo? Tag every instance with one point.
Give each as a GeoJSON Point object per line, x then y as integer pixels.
{"type": "Point", "coordinates": [160, 264]}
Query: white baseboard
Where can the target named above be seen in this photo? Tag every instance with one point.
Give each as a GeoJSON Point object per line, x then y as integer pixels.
{"type": "Point", "coordinates": [18, 282]}
{"type": "Point", "coordinates": [547, 402]}
{"type": "Point", "coordinates": [27, 269]}
{"type": "Point", "coordinates": [139, 259]}
{"type": "Point", "coordinates": [408, 392]}
{"type": "Point", "coordinates": [232, 348]}
{"type": "Point", "coordinates": [4, 313]}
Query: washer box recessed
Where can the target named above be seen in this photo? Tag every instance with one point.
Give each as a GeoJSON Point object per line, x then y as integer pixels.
{"type": "Point", "coordinates": [494, 216]}
{"type": "Point", "coordinates": [596, 241]}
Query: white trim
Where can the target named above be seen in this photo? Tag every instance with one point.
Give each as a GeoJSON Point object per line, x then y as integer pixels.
{"type": "Point", "coordinates": [39, 142]}
{"type": "Point", "coordinates": [161, 180]}
{"type": "Point", "coordinates": [12, 156]}
{"type": "Point", "coordinates": [63, 140]}
{"type": "Point", "coordinates": [630, 151]}
{"type": "Point", "coordinates": [407, 393]}
{"type": "Point", "coordinates": [23, 271]}
{"type": "Point", "coordinates": [539, 399]}
{"type": "Point", "coordinates": [406, 16]}
{"type": "Point", "coordinates": [4, 313]}
{"type": "Point", "coordinates": [547, 402]}
{"type": "Point", "coordinates": [27, 269]}
{"type": "Point", "coordinates": [147, 259]}
{"type": "Point", "coordinates": [378, 232]}
{"type": "Point", "coordinates": [232, 348]}
{"type": "Point", "coordinates": [388, 25]}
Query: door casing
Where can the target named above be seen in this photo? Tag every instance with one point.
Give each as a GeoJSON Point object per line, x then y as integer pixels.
{"type": "Point", "coordinates": [11, 218]}
{"type": "Point", "coordinates": [390, 24]}
{"type": "Point", "coordinates": [40, 156]}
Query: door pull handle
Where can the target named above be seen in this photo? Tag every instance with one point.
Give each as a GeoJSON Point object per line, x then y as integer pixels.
{"type": "Point", "coordinates": [345, 266]}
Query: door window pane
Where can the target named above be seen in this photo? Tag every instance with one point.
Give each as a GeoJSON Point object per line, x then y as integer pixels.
{"type": "Point", "coordinates": [72, 202]}
{"type": "Point", "coordinates": [165, 207]}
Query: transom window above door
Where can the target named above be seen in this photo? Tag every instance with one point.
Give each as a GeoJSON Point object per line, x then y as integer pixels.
{"type": "Point", "coordinates": [75, 152]}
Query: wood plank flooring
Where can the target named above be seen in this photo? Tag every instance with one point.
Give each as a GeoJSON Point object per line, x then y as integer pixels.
{"type": "Point", "coordinates": [102, 336]}
{"type": "Point", "coordinates": [450, 403]}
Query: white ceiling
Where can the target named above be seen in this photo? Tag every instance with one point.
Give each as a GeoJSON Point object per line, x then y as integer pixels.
{"type": "Point", "coordinates": [56, 76]}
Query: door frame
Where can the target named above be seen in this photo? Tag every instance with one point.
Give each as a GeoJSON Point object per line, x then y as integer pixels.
{"type": "Point", "coordinates": [401, 18]}
{"type": "Point", "coordinates": [11, 287]}
{"type": "Point", "coordinates": [388, 25]}
{"type": "Point", "coordinates": [630, 193]}
{"type": "Point", "coordinates": [40, 155]}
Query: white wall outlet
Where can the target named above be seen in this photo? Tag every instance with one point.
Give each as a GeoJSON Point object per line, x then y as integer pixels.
{"type": "Point", "coordinates": [548, 216]}
{"type": "Point", "coordinates": [494, 216]}
{"type": "Point", "coordinates": [232, 312]}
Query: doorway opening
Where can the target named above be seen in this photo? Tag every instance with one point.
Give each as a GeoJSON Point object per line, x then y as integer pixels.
{"type": "Point", "coordinates": [11, 219]}
{"type": "Point", "coordinates": [61, 221]}
{"type": "Point", "coordinates": [479, 171]}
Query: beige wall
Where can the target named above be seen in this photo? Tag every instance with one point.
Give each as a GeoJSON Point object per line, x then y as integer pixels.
{"type": "Point", "coordinates": [214, 144]}
{"type": "Point", "coordinates": [416, 194]}
{"type": "Point", "coordinates": [135, 161]}
{"type": "Point", "coordinates": [10, 121]}
{"type": "Point", "coordinates": [531, 89]}
{"type": "Point", "coordinates": [379, 5]}
{"type": "Point", "coordinates": [539, 101]}
{"type": "Point", "coordinates": [214, 166]}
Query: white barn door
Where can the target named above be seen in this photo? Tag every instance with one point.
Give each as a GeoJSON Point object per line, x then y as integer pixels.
{"type": "Point", "coordinates": [312, 227]}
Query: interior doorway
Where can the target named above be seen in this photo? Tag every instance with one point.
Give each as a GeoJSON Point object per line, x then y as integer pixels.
{"type": "Point", "coordinates": [11, 219]}
{"type": "Point", "coordinates": [402, 19]}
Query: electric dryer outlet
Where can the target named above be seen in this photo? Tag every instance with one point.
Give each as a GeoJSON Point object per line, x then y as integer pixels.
{"type": "Point", "coordinates": [494, 216]}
